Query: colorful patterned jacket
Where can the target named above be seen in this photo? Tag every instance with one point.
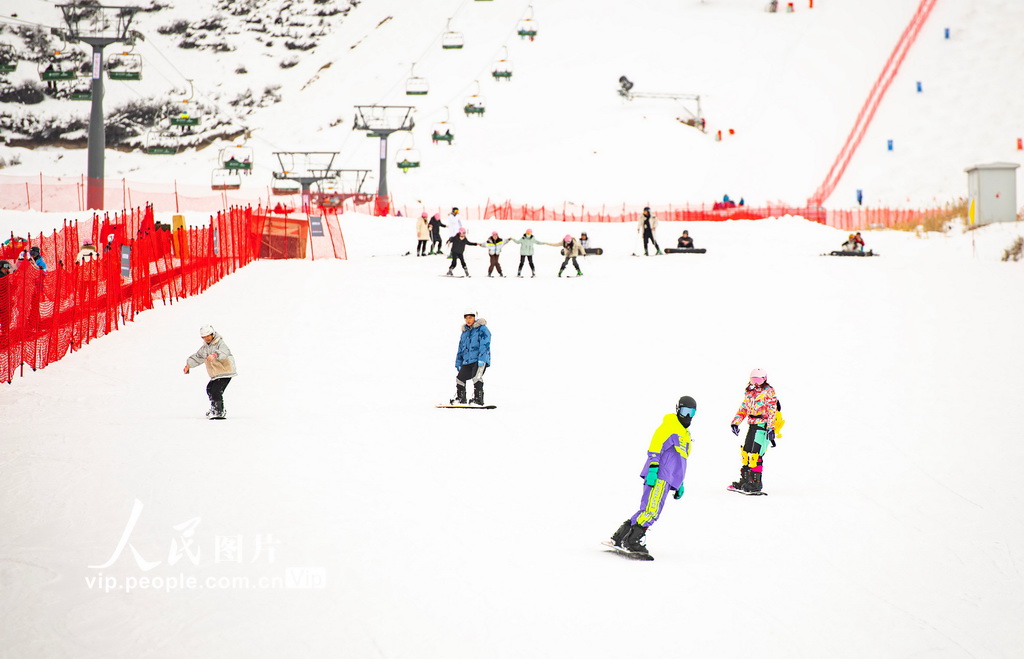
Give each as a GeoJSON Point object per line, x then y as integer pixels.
{"type": "Point", "coordinates": [474, 344]}
{"type": "Point", "coordinates": [758, 407]}
{"type": "Point", "coordinates": [670, 448]}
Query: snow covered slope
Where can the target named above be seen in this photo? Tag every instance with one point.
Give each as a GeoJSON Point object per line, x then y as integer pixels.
{"type": "Point", "coordinates": [788, 85]}
{"type": "Point", "coordinates": [338, 513]}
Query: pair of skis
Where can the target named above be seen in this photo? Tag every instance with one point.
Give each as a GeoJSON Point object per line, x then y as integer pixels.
{"type": "Point", "coordinates": [466, 406]}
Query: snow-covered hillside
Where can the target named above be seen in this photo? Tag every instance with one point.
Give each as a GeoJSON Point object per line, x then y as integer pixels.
{"type": "Point", "coordinates": [789, 86]}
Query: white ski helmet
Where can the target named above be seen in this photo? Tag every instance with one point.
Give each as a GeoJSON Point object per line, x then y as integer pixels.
{"type": "Point", "coordinates": [469, 312]}
{"type": "Point", "coordinates": [206, 330]}
{"type": "Point", "coordinates": [759, 373]}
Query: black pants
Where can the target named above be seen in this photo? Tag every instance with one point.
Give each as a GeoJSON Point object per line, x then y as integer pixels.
{"type": "Point", "coordinates": [470, 372]}
{"type": "Point", "coordinates": [215, 390]}
{"type": "Point", "coordinates": [458, 258]}
{"type": "Point", "coordinates": [649, 235]}
{"type": "Point", "coordinates": [435, 240]}
{"type": "Point", "coordinates": [523, 258]}
{"type": "Point", "coordinates": [566, 262]}
{"type": "Point", "coordinates": [421, 247]}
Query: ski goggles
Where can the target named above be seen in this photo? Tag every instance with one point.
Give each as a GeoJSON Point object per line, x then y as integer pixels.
{"type": "Point", "coordinates": [757, 380]}
{"type": "Point", "coordinates": [687, 411]}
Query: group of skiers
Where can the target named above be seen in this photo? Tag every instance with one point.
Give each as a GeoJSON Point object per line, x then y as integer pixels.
{"type": "Point", "coordinates": [664, 469]}
{"type": "Point", "coordinates": [572, 248]}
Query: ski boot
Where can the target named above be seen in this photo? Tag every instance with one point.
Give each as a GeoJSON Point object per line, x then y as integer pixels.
{"type": "Point", "coordinates": [210, 412]}
{"type": "Point", "coordinates": [460, 395]}
{"type": "Point", "coordinates": [620, 535]}
{"type": "Point", "coordinates": [579, 274]}
{"type": "Point", "coordinates": [634, 540]}
{"type": "Point", "coordinates": [467, 272]}
{"type": "Point", "coordinates": [478, 393]}
{"type": "Point", "coordinates": [741, 484]}
{"type": "Point", "coordinates": [449, 274]}
{"type": "Point", "coordinates": [754, 484]}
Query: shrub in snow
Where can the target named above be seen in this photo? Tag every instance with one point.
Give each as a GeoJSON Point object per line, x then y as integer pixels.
{"type": "Point", "coordinates": [1015, 251]}
{"type": "Point", "coordinates": [28, 92]}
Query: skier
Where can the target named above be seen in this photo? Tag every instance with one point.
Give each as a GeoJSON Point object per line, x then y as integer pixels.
{"type": "Point", "coordinates": [685, 241]}
{"type": "Point", "coordinates": [459, 242]}
{"type": "Point", "coordinates": [571, 248]}
{"type": "Point", "coordinates": [759, 407]}
{"type": "Point", "coordinates": [220, 366]}
{"type": "Point", "coordinates": [664, 471]}
{"type": "Point", "coordinates": [422, 234]}
{"type": "Point", "coordinates": [527, 244]}
{"type": "Point", "coordinates": [454, 221]}
{"type": "Point", "coordinates": [435, 234]}
{"type": "Point", "coordinates": [494, 245]}
{"type": "Point", "coordinates": [472, 359]}
{"type": "Point", "coordinates": [647, 225]}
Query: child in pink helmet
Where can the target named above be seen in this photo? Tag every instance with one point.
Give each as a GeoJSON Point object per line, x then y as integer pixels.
{"type": "Point", "coordinates": [759, 408]}
{"type": "Point", "coordinates": [571, 249]}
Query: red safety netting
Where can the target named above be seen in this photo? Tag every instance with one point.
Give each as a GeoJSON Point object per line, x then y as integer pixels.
{"type": "Point", "coordinates": [84, 294]}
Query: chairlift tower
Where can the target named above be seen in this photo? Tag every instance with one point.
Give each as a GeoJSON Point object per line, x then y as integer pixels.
{"type": "Point", "coordinates": [306, 168]}
{"type": "Point", "coordinates": [99, 26]}
{"type": "Point", "coordinates": [381, 121]}
{"type": "Point", "coordinates": [696, 119]}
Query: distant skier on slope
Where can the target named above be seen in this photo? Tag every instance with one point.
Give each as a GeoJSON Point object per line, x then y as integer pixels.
{"type": "Point", "coordinates": [571, 249]}
{"type": "Point", "coordinates": [435, 225]}
{"type": "Point", "coordinates": [527, 245]}
{"type": "Point", "coordinates": [220, 366]}
{"type": "Point", "coordinates": [458, 243]}
{"type": "Point", "coordinates": [472, 358]}
{"type": "Point", "coordinates": [422, 234]}
{"type": "Point", "coordinates": [647, 225]}
{"type": "Point", "coordinates": [759, 408]}
{"type": "Point", "coordinates": [494, 245]}
{"type": "Point", "coordinates": [664, 471]}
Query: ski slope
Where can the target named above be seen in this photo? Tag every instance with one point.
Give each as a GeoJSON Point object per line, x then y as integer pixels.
{"type": "Point", "coordinates": [891, 528]}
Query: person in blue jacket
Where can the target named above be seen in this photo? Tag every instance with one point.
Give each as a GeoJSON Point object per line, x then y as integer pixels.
{"type": "Point", "coordinates": [472, 359]}
{"type": "Point", "coordinates": [663, 472]}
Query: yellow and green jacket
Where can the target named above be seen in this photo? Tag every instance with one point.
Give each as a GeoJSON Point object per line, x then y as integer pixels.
{"type": "Point", "coordinates": [670, 448]}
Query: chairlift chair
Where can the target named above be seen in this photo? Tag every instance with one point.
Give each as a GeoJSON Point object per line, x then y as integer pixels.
{"type": "Point", "coordinates": [452, 40]}
{"type": "Point", "coordinates": [408, 159]}
{"type": "Point", "coordinates": [56, 69]}
{"type": "Point", "coordinates": [527, 28]}
{"type": "Point", "coordinates": [225, 179]}
{"type": "Point", "coordinates": [82, 92]}
{"type": "Point", "coordinates": [415, 85]}
{"type": "Point", "coordinates": [161, 142]}
{"type": "Point", "coordinates": [442, 132]}
{"type": "Point", "coordinates": [8, 58]}
{"type": "Point", "coordinates": [502, 70]}
{"type": "Point", "coordinates": [475, 105]}
{"type": "Point", "coordinates": [125, 66]}
{"type": "Point", "coordinates": [284, 187]}
{"type": "Point", "coordinates": [237, 157]}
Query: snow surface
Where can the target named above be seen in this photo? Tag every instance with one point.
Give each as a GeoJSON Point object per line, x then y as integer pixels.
{"type": "Point", "coordinates": [891, 530]}
{"type": "Point", "coordinates": [789, 85]}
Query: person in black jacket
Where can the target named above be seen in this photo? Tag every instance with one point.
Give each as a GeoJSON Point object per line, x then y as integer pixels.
{"type": "Point", "coordinates": [435, 225]}
{"type": "Point", "coordinates": [459, 242]}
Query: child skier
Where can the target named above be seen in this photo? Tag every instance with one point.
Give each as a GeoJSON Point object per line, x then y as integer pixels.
{"type": "Point", "coordinates": [571, 249]}
{"type": "Point", "coordinates": [494, 245]}
{"type": "Point", "coordinates": [759, 407]}
{"type": "Point", "coordinates": [663, 472]}
{"type": "Point", "coordinates": [472, 358]}
{"type": "Point", "coordinates": [220, 366]}
{"type": "Point", "coordinates": [527, 245]}
{"type": "Point", "coordinates": [459, 242]}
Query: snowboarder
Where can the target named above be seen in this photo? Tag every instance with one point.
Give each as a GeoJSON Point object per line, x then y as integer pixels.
{"type": "Point", "coordinates": [685, 241]}
{"type": "Point", "coordinates": [648, 225]}
{"type": "Point", "coordinates": [459, 242]}
{"type": "Point", "coordinates": [494, 245]}
{"type": "Point", "coordinates": [759, 408]}
{"type": "Point", "coordinates": [527, 244]}
{"type": "Point", "coordinates": [664, 471]}
{"type": "Point", "coordinates": [220, 366]}
{"type": "Point", "coordinates": [472, 358]}
{"type": "Point", "coordinates": [422, 234]}
{"type": "Point", "coordinates": [435, 234]}
{"type": "Point", "coordinates": [571, 248]}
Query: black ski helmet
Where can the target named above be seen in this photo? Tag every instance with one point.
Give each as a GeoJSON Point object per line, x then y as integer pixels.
{"type": "Point", "coordinates": [687, 402]}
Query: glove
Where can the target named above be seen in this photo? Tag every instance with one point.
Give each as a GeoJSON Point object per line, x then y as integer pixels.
{"type": "Point", "coordinates": [652, 474]}
{"type": "Point", "coordinates": [679, 493]}
{"type": "Point", "coordinates": [771, 437]}
{"type": "Point", "coordinates": [481, 364]}
{"type": "Point", "coordinates": [735, 429]}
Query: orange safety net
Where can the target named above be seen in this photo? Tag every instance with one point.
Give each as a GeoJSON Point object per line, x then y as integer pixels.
{"type": "Point", "coordinates": [88, 291]}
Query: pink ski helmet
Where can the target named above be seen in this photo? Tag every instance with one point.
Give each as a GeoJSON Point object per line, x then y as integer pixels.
{"type": "Point", "coordinates": [758, 376]}
{"type": "Point", "coordinates": [494, 234]}
{"type": "Point", "coordinates": [423, 215]}
{"type": "Point", "coordinates": [462, 229]}
{"type": "Point", "coordinates": [567, 239]}
{"type": "Point", "coordinates": [529, 231]}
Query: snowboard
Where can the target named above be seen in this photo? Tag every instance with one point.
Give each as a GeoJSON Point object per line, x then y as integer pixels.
{"type": "Point", "coordinates": [685, 250]}
{"type": "Point", "coordinates": [848, 253]}
{"type": "Point", "coordinates": [460, 406]}
{"type": "Point", "coordinates": [749, 494]}
{"type": "Point", "coordinates": [636, 556]}
{"type": "Point", "coordinates": [597, 251]}
{"type": "Point", "coordinates": [455, 276]}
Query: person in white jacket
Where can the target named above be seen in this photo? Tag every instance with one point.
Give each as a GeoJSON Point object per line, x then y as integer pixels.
{"type": "Point", "coordinates": [647, 225]}
{"type": "Point", "coordinates": [220, 366]}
